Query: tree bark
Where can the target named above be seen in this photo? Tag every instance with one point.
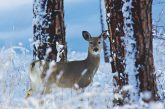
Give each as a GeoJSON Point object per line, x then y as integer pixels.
{"type": "Point", "coordinates": [115, 24]}
{"type": "Point", "coordinates": [48, 28]}
{"type": "Point", "coordinates": [142, 18]}
{"type": "Point", "coordinates": [130, 27]}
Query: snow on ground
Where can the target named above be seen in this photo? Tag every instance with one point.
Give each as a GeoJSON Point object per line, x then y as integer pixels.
{"type": "Point", "coordinates": [14, 82]}
{"type": "Point", "coordinates": [159, 60]}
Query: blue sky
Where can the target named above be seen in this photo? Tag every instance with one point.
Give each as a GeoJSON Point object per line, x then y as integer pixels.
{"type": "Point", "coordinates": [16, 21]}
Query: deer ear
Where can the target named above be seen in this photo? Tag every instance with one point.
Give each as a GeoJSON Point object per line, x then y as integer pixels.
{"type": "Point", "coordinates": [86, 35]}
{"type": "Point", "coordinates": [104, 35]}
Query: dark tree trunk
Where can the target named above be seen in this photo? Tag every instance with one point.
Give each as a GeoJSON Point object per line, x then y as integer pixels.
{"type": "Point", "coordinates": [115, 23]}
{"type": "Point", "coordinates": [142, 18]}
{"type": "Point", "coordinates": [48, 28]}
{"type": "Point", "coordinates": [132, 55]}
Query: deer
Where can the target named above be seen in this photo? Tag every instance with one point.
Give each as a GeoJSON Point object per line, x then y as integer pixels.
{"type": "Point", "coordinates": [46, 75]}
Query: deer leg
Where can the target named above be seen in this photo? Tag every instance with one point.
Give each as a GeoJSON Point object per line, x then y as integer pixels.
{"type": "Point", "coordinates": [28, 93]}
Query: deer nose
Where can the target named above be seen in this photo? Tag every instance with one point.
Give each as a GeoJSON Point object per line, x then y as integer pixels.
{"type": "Point", "coordinates": [95, 49]}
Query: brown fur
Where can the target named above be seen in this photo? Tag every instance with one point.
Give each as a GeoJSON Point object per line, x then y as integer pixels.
{"type": "Point", "coordinates": [73, 74]}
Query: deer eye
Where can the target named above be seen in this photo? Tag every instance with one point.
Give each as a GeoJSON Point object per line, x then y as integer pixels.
{"type": "Point", "coordinates": [99, 42]}
{"type": "Point", "coordinates": [91, 42]}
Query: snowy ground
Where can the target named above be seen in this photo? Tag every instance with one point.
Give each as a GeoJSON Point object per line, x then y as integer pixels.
{"type": "Point", "coordinates": [159, 58]}
{"type": "Point", "coordinates": [14, 81]}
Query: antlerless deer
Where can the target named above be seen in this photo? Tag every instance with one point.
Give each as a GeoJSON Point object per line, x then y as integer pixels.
{"type": "Point", "coordinates": [74, 74]}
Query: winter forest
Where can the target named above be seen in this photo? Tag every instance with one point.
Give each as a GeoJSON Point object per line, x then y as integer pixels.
{"type": "Point", "coordinates": [82, 54]}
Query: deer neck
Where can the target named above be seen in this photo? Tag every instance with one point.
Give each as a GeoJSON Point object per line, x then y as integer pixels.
{"type": "Point", "coordinates": [93, 61]}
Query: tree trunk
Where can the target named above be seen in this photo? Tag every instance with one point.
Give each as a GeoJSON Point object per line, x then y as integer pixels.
{"type": "Point", "coordinates": [48, 29]}
{"type": "Point", "coordinates": [142, 18]}
{"type": "Point", "coordinates": [115, 24]}
{"type": "Point", "coordinates": [105, 47]}
{"type": "Point", "coordinates": [130, 27]}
